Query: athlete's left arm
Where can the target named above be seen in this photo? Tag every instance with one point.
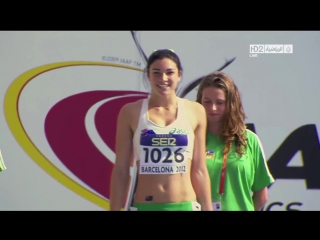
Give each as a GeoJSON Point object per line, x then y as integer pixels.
{"type": "Point", "coordinates": [199, 173]}
{"type": "Point", "coordinates": [262, 176]}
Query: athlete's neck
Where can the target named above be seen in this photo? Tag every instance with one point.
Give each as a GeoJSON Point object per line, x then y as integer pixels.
{"type": "Point", "coordinates": [163, 101]}
{"type": "Point", "coordinates": [214, 128]}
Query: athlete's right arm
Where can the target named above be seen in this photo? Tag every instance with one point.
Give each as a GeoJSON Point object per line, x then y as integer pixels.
{"type": "Point", "coordinates": [199, 172]}
{"type": "Point", "coordinates": [121, 171]}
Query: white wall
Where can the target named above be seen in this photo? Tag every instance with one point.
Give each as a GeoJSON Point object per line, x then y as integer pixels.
{"type": "Point", "coordinates": [65, 166]}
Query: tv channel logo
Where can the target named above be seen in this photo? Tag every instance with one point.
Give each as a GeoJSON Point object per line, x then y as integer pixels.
{"type": "Point", "coordinates": [255, 49]}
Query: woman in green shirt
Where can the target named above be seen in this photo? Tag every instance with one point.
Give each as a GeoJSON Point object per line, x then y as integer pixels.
{"type": "Point", "coordinates": [235, 158]}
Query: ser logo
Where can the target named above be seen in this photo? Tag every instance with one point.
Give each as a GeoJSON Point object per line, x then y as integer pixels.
{"type": "Point", "coordinates": [163, 142]}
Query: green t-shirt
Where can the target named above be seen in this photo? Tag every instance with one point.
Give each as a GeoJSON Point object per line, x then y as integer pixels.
{"type": "Point", "coordinates": [2, 166]}
{"type": "Point", "coordinates": [244, 175]}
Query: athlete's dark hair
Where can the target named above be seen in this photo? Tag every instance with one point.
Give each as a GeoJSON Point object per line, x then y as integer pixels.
{"type": "Point", "coordinates": [233, 126]}
{"type": "Point", "coordinates": [158, 55]}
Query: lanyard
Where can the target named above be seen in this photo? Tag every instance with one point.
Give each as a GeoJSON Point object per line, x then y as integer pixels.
{"type": "Point", "coordinates": [223, 170]}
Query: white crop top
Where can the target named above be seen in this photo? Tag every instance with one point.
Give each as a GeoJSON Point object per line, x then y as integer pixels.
{"type": "Point", "coordinates": [163, 150]}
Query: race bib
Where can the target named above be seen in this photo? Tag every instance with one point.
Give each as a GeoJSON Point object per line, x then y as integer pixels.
{"type": "Point", "coordinates": [164, 153]}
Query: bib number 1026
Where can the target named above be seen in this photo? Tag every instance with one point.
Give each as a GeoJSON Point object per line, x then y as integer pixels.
{"type": "Point", "coordinates": [155, 155]}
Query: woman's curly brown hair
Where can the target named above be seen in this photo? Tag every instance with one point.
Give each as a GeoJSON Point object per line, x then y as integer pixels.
{"type": "Point", "coordinates": [233, 126]}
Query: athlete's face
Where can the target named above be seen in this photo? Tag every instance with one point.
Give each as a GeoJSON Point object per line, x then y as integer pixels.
{"type": "Point", "coordinates": [164, 76]}
{"type": "Point", "coordinates": [214, 102]}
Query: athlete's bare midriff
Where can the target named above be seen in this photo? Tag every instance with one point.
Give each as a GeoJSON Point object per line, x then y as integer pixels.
{"type": "Point", "coordinates": [162, 188]}
{"type": "Point", "coordinates": [165, 188]}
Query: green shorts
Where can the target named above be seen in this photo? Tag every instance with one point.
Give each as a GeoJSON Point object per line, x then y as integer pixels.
{"type": "Point", "coordinates": [181, 206]}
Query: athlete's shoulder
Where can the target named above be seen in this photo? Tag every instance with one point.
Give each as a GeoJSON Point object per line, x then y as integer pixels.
{"type": "Point", "coordinates": [131, 107]}
{"type": "Point", "coordinates": [194, 106]}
